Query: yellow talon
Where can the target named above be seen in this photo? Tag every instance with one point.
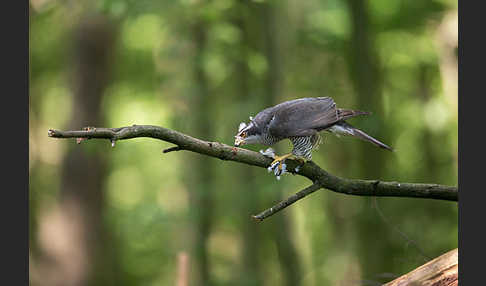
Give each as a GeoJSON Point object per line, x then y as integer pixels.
{"type": "Point", "coordinates": [280, 159]}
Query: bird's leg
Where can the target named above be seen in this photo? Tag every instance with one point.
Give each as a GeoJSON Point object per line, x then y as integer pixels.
{"type": "Point", "coordinates": [280, 159]}
{"type": "Point", "coordinates": [278, 165]}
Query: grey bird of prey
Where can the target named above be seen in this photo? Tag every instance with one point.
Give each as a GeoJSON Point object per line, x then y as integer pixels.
{"type": "Point", "coordinates": [300, 120]}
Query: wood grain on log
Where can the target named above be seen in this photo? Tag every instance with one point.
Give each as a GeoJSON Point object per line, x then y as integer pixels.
{"type": "Point", "coordinates": [441, 271]}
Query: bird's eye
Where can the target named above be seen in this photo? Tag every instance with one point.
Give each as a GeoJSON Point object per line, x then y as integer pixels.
{"type": "Point", "coordinates": [243, 134]}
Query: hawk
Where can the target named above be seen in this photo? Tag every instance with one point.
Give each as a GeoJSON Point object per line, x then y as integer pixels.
{"type": "Point", "coordinates": [300, 121]}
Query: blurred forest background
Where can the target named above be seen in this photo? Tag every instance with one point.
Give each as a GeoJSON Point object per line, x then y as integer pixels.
{"type": "Point", "coordinates": [130, 215]}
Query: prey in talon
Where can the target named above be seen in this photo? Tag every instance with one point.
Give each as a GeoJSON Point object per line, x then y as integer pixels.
{"type": "Point", "coordinates": [300, 121]}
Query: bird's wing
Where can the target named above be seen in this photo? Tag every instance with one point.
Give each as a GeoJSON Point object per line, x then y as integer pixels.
{"type": "Point", "coordinates": [303, 117]}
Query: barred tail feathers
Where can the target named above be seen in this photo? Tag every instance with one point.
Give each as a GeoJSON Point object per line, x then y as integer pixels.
{"type": "Point", "coordinates": [343, 128]}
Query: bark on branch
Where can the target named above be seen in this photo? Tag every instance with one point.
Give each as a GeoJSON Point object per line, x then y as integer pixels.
{"type": "Point", "coordinates": [319, 177]}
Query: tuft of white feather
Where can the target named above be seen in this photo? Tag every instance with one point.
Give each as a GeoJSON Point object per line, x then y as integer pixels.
{"type": "Point", "coordinates": [242, 125]}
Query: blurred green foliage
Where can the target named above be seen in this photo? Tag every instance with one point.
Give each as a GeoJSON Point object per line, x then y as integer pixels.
{"type": "Point", "coordinates": [148, 197]}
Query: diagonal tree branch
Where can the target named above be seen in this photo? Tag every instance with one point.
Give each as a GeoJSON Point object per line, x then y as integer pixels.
{"type": "Point", "coordinates": [319, 177]}
{"type": "Point", "coordinates": [285, 203]}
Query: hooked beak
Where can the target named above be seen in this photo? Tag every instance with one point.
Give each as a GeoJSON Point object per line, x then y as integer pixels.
{"type": "Point", "coordinates": [239, 141]}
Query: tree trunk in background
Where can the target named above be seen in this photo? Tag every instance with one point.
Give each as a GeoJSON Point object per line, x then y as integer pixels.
{"type": "Point", "coordinates": [248, 200]}
{"type": "Point", "coordinates": [365, 75]}
{"type": "Point", "coordinates": [288, 257]}
{"type": "Point", "coordinates": [431, 164]}
{"type": "Point", "coordinates": [73, 236]}
{"type": "Point", "coordinates": [200, 168]}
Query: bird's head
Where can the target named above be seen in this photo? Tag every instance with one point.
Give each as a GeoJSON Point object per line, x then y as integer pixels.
{"type": "Point", "coordinates": [248, 134]}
